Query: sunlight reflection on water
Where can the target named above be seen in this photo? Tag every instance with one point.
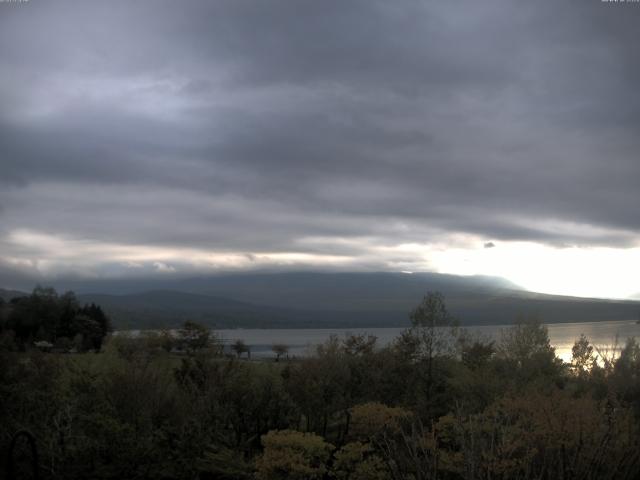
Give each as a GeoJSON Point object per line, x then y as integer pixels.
{"type": "Point", "coordinates": [602, 336]}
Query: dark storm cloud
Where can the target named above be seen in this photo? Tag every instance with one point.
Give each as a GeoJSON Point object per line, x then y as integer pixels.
{"type": "Point", "coordinates": [256, 126]}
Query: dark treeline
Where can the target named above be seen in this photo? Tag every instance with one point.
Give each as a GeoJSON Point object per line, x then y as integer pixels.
{"type": "Point", "coordinates": [436, 404]}
{"type": "Point", "coordinates": [52, 321]}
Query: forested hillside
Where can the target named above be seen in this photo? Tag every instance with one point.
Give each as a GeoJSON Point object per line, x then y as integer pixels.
{"type": "Point", "coordinates": [435, 404]}
{"type": "Point", "coordinates": [337, 300]}
{"type": "Point", "coordinates": [331, 300]}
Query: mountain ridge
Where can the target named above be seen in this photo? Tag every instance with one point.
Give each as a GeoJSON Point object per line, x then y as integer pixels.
{"type": "Point", "coordinates": [333, 300]}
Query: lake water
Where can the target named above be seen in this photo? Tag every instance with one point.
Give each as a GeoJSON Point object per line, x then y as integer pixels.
{"type": "Point", "coordinates": [562, 335]}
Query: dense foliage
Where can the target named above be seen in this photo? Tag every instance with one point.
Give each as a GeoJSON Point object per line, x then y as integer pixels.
{"type": "Point", "coordinates": [436, 404]}
{"type": "Point", "coordinates": [52, 321]}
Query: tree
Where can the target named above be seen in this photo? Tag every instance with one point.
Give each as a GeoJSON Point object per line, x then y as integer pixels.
{"type": "Point", "coordinates": [280, 349]}
{"type": "Point", "coordinates": [526, 339]}
{"type": "Point", "coordinates": [292, 455]}
{"type": "Point", "coordinates": [194, 336]}
{"type": "Point", "coordinates": [537, 434]}
{"type": "Point", "coordinates": [240, 347]}
{"type": "Point", "coordinates": [68, 310]}
{"type": "Point", "coordinates": [433, 326]}
{"type": "Point", "coordinates": [321, 385]}
{"type": "Point", "coordinates": [46, 316]}
{"type": "Point", "coordinates": [89, 332]}
{"type": "Point", "coordinates": [526, 346]}
{"type": "Point", "coordinates": [29, 314]}
{"type": "Point", "coordinates": [582, 358]}
{"type": "Point", "coordinates": [358, 345]}
{"type": "Point", "coordinates": [95, 312]}
{"type": "Point", "coordinates": [358, 461]}
{"type": "Point", "coordinates": [431, 312]}
{"type": "Point", "coordinates": [370, 420]}
{"type": "Point", "coordinates": [626, 374]}
{"type": "Point", "coordinates": [476, 353]}
{"type": "Point", "coordinates": [432, 335]}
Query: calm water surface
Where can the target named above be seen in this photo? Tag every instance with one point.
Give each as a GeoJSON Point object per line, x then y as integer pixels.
{"type": "Point", "coordinates": [562, 335]}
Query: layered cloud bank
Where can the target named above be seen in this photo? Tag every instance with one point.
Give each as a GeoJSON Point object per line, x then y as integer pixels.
{"type": "Point", "coordinates": [164, 138]}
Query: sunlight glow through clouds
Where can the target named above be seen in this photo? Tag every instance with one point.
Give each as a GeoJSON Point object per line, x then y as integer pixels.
{"type": "Point", "coordinates": [51, 255]}
{"type": "Point", "coordinates": [579, 271]}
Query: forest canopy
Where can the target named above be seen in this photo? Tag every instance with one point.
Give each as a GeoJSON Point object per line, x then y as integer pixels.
{"type": "Point", "coordinates": [51, 321]}
{"type": "Point", "coordinates": [437, 403]}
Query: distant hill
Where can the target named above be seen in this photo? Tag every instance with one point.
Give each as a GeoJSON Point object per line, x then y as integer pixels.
{"type": "Point", "coordinates": [167, 308]}
{"type": "Point", "coordinates": [343, 291]}
{"type": "Point", "coordinates": [343, 300]}
{"type": "Point", "coordinates": [7, 295]}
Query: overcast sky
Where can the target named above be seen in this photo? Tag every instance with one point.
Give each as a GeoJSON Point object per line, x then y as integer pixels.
{"type": "Point", "coordinates": [142, 138]}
